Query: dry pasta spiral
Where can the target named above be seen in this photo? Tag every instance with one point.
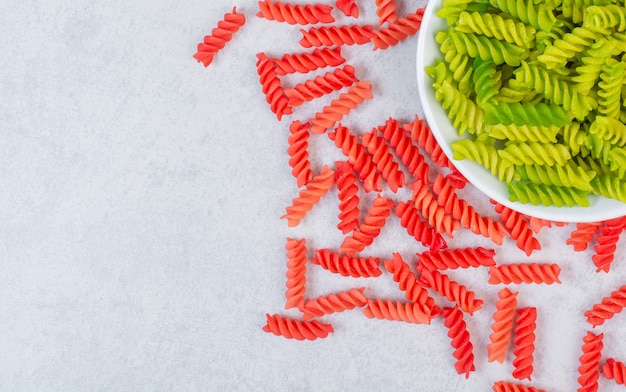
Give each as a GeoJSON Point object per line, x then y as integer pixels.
{"type": "Point", "coordinates": [407, 282]}
{"type": "Point", "coordinates": [369, 229]}
{"type": "Point", "coordinates": [607, 308]}
{"type": "Point", "coordinates": [426, 203]}
{"type": "Point", "coordinates": [420, 132]}
{"type": "Point", "coordinates": [524, 343]}
{"type": "Point", "coordinates": [274, 93]}
{"type": "Point", "coordinates": [386, 11]}
{"type": "Point", "coordinates": [606, 246]}
{"type": "Point", "coordinates": [408, 312]}
{"type": "Point", "coordinates": [321, 85]}
{"type": "Point", "coordinates": [457, 331]}
{"type": "Point", "coordinates": [308, 197]}
{"type": "Point", "coordinates": [295, 14]}
{"type": "Point", "coordinates": [348, 197]}
{"type": "Point", "coordinates": [582, 235]}
{"type": "Point", "coordinates": [457, 258]}
{"type": "Point", "coordinates": [336, 35]}
{"type": "Point", "coordinates": [408, 153]}
{"type": "Point", "coordinates": [418, 228]}
{"type": "Point", "coordinates": [296, 329]}
{"type": "Point", "coordinates": [615, 370]}
{"type": "Point", "coordinates": [298, 152]}
{"type": "Point", "coordinates": [518, 228]}
{"type": "Point", "coordinates": [331, 114]}
{"type": "Point", "coordinates": [308, 61]}
{"type": "Point", "coordinates": [452, 290]}
{"type": "Point", "coordinates": [220, 35]}
{"type": "Point", "coordinates": [296, 272]}
{"type": "Point", "coordinates": [333, 303]}
{"type": "Point", "coordinates": [397, 31]}
{"type": "Point", "coordinates": [502, 326]}
{"type": "Point", "coordinates": [356, 267]}
{"type": "Point", "coordinates": [589, 368]}
{"type": "Point", "coordinates": [348, 7]}
{"type": "Point", "coordinates": [524, 273]}
{"type": "Point", "coordinates": [384, 160]}
{"type": "Point", "coordinates": [504, 386]}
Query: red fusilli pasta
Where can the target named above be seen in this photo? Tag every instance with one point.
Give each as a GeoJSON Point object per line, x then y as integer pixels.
{"type": "Point", "coordinates": [518, 228]}
{"type": "Point", "coordinates": [607, 308]}
{"type": "Point", "coordinates": [360, 159]}
{"type": "Point", "coordinates": [396, 311]}
{"type": "Point", "coordinates": [451, 290]}
{"type": "Point", "coordinates": [308, 61]}
{"type": "Point", "coordinates": [308, 197]}
{"type": "Point", "coordinates": [274, 94]}
{"type": "Point", "coordinates": [336, 35]}
{"type": "Point", "coordinates": [348, 7]}
{"type": "Point", "coordinates": [615, 370]}
{"type": "Point", "coordinates": [333, 303]}
{"type": "Point", "coordinates": [296, 329]}
{"type": "Point", "coordinates": [369, 229]}
{"type": "Point", "coordinates": [220, 35]}
{"type": "Point", "coordinates": [524, 343]}
{"type": "Point", "coordinates": [397, 31]}
{"type": "Point", "coordinates": [348, 197]}
{"type": "Point", "coordinates": [384, 160]}
{"type": "Point", "coordinates": [607, 241]}
{"type": "Point", "coordinates": [524, 273]}
{"type": "Point", "coordinates": [298, 152]}
{"type": "Point", "coordinates": [583, 234]}
{"type": "Point", "coordinates": [426, 203]}
{"type": "Point", "coordinates": [504, 386]}
{"type": "Point", "coordinates": [502, 326]}
{"type": "Point", "coordinates": [418, 228]}
{"type": "Point", "coordinates": [463, 349]}
{"type": "Point", "coordinates": [356, 267]}
{"type": "Point", "coordinates": [296, 272]}
{"type": "Point", "coordinates": [407, 282]}
{"type": "Point", "coordinates": [408, 153]}
{"type": "Point", "coordinates": [420, 132]}
{"type": "Point", "coordinates": [331, 114]}
{"type": "Point", "coordinates": [295, 14]}
{"type": "Point", "coordinates": [321, 85]}
{"type": "Point", "coordinates": [386, 11]}
{"type": "Point", "coordinates": [456, 258]}
{"type": "Point", "coordinates": [589, 369]}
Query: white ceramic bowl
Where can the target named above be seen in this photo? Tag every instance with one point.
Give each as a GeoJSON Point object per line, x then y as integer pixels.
{"type": "Point", "coordinates": [427, 52]}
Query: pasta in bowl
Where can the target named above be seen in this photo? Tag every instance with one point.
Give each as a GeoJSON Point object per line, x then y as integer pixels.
{"type": "Point", "coordinates": [515, 115]}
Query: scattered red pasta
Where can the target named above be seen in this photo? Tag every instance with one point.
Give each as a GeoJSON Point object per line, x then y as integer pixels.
{"type": "Point", "coordinates": [608, 308]}
{"type": "Point", "coordinates": [589, 369]}
{"type": "Point", "coordinates": [336, 35]}
{"type": "Point", "coordinates": [408, 153]}
{"type": "Point", "coordinates": [274, 93]}
{"type": "Point", "coordinates": [457, 258]}
{"type": "Point", "coordinates": [518, 228]}
{"type": "Point", "coordinates": [298, 152]}
{"type": "Point", "coordinates": [386, 11]}
{"type": "Point", "coordinates": [463, 349]}
{"type": "Point", "coordinates": [615, 370]}
{"type": "Point", "coordinates": [348, 197]}
{"type": "Point", "coordinates": [396, 311]}
{"type": "Point", "coordinates": [581, 237]}
{"type": "Point", "coordinates": [420, 132]}
{"type": "Point", "coordinates": [407, 282]}
{"type": "Point", "coordinates": [411, 220]}
{"type": "Point", "coordinates": [220, 35]}
{"type": "Point", "coordinates": [341, 106]}
{"type": "Point", "coordinates": [333, 303]}
{"type": "Point", "coordinates": [524, 343]}
{"type": "Point", "coordinates": [296, 272]}
{"type": "Point", "coordinates": [315, 189]}
{"type": "Point", "coordinates": [426, 203]}
{"type": "Point", "coordinates": [451, 290]}
{"type": "Point", "coordinates": [606, 245]}
{"type": "Point", "coordinates": [502, 325]}
{"type": "Point", "coordinates": [296, 329]}
{"type": "Point", "coordinates": [503, 386]}
{"type": "Point", "coordinates": [384, 160]}
{"type": "Point", "coordinates": [356, 267]}
{"type": "Point", "coordinates": [321, 85]}
{"type": "Point", "coordinates": [295, 14]}
{"type": "Point", "coordinates": [367, 231]}
{"type": "Point", "coordinates": [397, 31]}
{"type": "Point", "coordinates": [308, 61]}
{"type": "Point", "coordinates": [348, 7]}
{"type": "Point", "coordinates": [524, 273]}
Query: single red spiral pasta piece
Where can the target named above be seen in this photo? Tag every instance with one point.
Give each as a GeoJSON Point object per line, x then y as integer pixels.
{"type": "Point", "coordinates": [524, 273]}
{"type": "Point", "coordinates": [409, 312]}
{"type": "Point", "coordinates": [452, 290]}
{"type": "Point", "coordinates": [356, 267]}
{"type": "Point", "coordinates": [418, 228]}
{"type": "Point", "coordinates": [460, 210]}
{"type": "Point", "coordinates": [220, 35]}
{"type": "Point", "coordinates": [386, 11]}
{"type": "Point", "coordinates": [360, 159]}
{"type": "Point", "coordinates": [367, 231]}
{"type": "Point", "coordinates": [348, 197]}
{"type": "Point", "coordinates": [384, 160]}
{"type": "Point", "coordinates": [336, 35]}
{"type": "Point", "coordinates": [518, 228]}
{"type": "Point", "coordinates": [502, 326]}
{"type": "Point", "coordinates": [298, 152]}
{"type": "Point", "coordinates": [589, 368]}
{"type": "Point", "coordinates": [397, 31]}
{"type": "Point", "coordinates": [295, 14]}
{"type": "Point", "coordinates": [615, 370]}
{"type": "Point", "coordinates": [348, 7]}
{"type": "Point", "coordinates": [321, 85]}
{"type": "Point", "coordinates": [308, 197]}
{"type": "Point", "coordinates": [524, 343]}
{"type": "Point", "coordinates": [333, 303]}
{"type": "Point", "coordinates": [463, 348]}
{"type": "Point", "coordinates": [583, 234]}
{"type": "Point", "coordinates": [407, 282]}
{"type": "Point", "coordinates": [607, 241]}
{"type": "Point", "coordinates": [607, 308]}
{"type": "Point", "coordinates": [308, 61]}
{"type": "Point", "coordinates": [504, 386]}
{"type": "Point", "coordinates": [456, 258]}
{"type": "Point", "coordinates": [296, 329]}
{"type": "Point", "coordinates": [426, 203]}
{"type": "Point", "coordinates": [274, 94]}
{"type": "Point", "coordinates": [296, 272]}
{"type": "Point", "coordinates": [330, 114]}
{"type": "Point", "coordinates": [408, 153]}
{"type": "Point", "coordinates": [420, 132]}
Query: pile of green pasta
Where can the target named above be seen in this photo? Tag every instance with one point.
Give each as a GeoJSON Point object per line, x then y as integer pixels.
{"type": "Point", "coordinates": [537, 89]}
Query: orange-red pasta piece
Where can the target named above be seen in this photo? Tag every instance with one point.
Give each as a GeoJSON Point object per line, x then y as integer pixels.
{"type": "Point", "coordinates": [308, 61]}
{"type": "Point", "coordinates": [308, 197]}
{"type": "Point", "coordinates": [384, 160]}
{"type": "Point", "coordinates": [321, 85]}
{"type": "Point", "coordinates": [502, 326]}
{"type": "Point", "coordinates": [418, 228]}
{"type": "Point", "coordinates": [348, 7]}
{"type": "Point", "coordinates": [331, 114]}
{"type": "Point", "coordinates": [369, 229]}
{"type": "Point", "coordinates": [333, 303]}
{"type": "Point", "coordinates": [356, 267]}
{"type": "Point", "coordinates": [505, 386]}
{"type": "Point", "coordinates": [336, 35]}
{"type": "Point", "coordinates": [421, 133]}
{"type": "Point", "coordinates": [407, 282]}
{"type": "Point", "coordinates": [386, 11]}
{"type": "Point", "coordinates": [518, 227]}
{"type": "Point", "coordinates": [347, 191]}
{"type": "Point", "coordinates": [589, 368]}
{"type": "Point", "coordinates": [220, 35]}
{"type": "Point", "coordinates": [524, 273]}
{"type": "Point", "coordinates": [583, 234]}
{"type": "Point", "coordinates": [607, 240]}
{"type": "Point", "coordinates": [296, 329]}
{"type": "Point", "coordinates": [295, 14]}
{"type": "Point", "coordinates": [524, 343]}
{"type": "Point", "coordinates": [426, 203]}
{"type": "Point", "coordinates": [463, 348]}
{"type": "Point", "coordinates": [451, 290]}
{"type": "Point", "coordinates": [296, 272]}
{"type": "Point", "coordinates": [408, 153]}
{"type": "Point", "coordinates": [274, 92]}
{"type": "Point", "coordinates": [456, 258]}
{"type": "Point", "coordinates": [615, 370]}
{"type": "Point", "coordinates": [398, 31]}
{"type": "Point", "coordinates": [409, 312]}
{"type": "Point", "coordinates": [298, 152]}
{"type": "Point", "coordinates": [607, 308]}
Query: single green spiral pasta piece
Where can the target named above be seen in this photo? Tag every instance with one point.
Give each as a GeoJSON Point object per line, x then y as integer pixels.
{"type": "Point", "coordinates": [573, 136]}
{"type": "Point", "coordinates": [617, 161]}
{"type": "Point", "coordinates": [486, 80]}
{"type": "Point", "coordinates": [564, 49]}
{"type": "Point", "coordinates": [566, 175]}
{"type": "Point", "coordinates": [588, 73]}
{"type": "Point", "coordinates": [534, 154]}
{"type": "Point", "coordinates": [464, 113]}
{"type": "Point", "coordinates": [484, 154]}
{"type": "Point", "coordinates": [588, 163]}
{"type": "Point", "coordinates": [488, 49]}
{"type": "Point", "coordinates": [525, 113]}
{"type": "Point", "coordinates": [547, 195]}
{"type": "Point", "coordinates": [460, 65]}
{"type": "Point", "coordinates": [599, 148]}
{"type": "Point", "coordinates": [609, 186]}
{"type": "Point", "coordinates": [610, 88]}
{"type": "Point", "coordinates": [609, 129]}
{"type": "Point", "coordinates": [605, 17]}
{"type": "Point", "coordinates": [524, 133]}
{"type": "Point", "coordinates": [574, 9]}
{"type": "Point", "coordinates": [495, 26]}
{"type": "Point", "coordinates": [540, 17]}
